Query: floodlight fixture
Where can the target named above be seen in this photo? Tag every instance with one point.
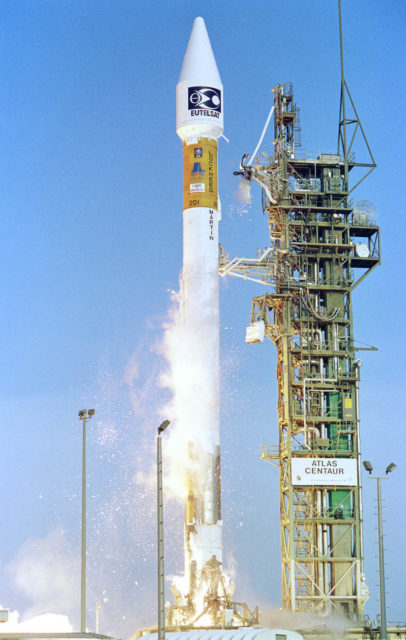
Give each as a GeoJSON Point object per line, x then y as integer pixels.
{"type": "Point", "coordinates": [368, 466]}
{"type": "Point", "coordinates": [163, 426]}
{"type": "Point", "coordinates": [390, 467]}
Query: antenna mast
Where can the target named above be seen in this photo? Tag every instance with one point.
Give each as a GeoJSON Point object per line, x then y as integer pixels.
{"type": "Point", "coordinates": [343, 148]}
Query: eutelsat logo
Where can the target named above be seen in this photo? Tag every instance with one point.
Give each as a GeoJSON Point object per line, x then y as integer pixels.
{"type": "Point", "coordinates": [204, 101]}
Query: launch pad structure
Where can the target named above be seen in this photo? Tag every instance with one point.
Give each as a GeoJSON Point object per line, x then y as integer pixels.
{"type": "Point", "coordinates": [321, 248]}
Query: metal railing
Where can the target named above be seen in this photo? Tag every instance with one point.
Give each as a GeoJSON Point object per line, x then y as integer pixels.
{"type": "Point", "coordinates": [338, 513]}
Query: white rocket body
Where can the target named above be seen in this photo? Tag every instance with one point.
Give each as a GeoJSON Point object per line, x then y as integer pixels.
{"type": "Point", "coordinates": [199, 123]}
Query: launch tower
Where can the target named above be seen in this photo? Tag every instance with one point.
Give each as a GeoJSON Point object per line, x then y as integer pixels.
{"type": "Point", "coordinates": [321, 248]}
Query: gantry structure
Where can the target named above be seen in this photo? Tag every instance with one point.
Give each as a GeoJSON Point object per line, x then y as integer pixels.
{"type": "Point", "coordinates": [321, 248]}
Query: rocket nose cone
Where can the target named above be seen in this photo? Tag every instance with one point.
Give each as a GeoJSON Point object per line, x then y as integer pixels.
{"type": "Point", "coordinates": [199, 63]}
{"type": "Point", "coordinates": [199, 92]}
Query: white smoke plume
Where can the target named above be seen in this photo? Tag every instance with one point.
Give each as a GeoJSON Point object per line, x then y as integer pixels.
{"type": "Point", "coordinates": [45, 623]}
{"type": "Point", "coordinates": [45, 575]}
{"type": "Point", "coordinates": [244, 191]}
{"type": "Point", "coordinates": [191, 406]}
{"type": "Point", "coordinates": [302, 621]}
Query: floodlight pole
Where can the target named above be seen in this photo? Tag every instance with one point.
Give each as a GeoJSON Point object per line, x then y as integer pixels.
{"type": "Point", "coordinates": [161, 579]}
{"type": "Point", "coordinates": [382, 594]}
{"type": "Point", "coordinates": [84, 416]}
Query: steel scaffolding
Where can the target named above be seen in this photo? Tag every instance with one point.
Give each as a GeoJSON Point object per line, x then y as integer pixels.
{"type": "Point", "coordinates": [320, 249]}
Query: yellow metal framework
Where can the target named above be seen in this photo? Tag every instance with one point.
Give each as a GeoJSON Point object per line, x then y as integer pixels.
{"type": "Point", "coordinates": [317, 244]}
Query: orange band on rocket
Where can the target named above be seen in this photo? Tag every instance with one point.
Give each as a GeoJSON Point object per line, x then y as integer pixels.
{"type": "Point", "coordinates": [200, 174]}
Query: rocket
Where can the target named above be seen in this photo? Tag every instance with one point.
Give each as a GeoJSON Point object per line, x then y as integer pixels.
{"type": "Point", "coordinates": [199, 124]}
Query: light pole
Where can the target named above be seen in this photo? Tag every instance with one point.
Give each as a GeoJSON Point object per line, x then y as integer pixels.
{"type": "Point", "coordinates": [97, 617]}
{"type": "Point", "coordinates": [160, 513]}
{"type": "Point", "coordinates": [382, 596]}
{"type": "Point", "coordinates": [84, 416]}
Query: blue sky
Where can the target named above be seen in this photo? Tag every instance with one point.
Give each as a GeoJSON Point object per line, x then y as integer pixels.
{"type": "Point", "coordinates": [90, 216]}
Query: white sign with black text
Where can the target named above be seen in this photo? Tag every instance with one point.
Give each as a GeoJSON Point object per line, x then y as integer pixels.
{"type": "Point", "coordinates": [324, 471]}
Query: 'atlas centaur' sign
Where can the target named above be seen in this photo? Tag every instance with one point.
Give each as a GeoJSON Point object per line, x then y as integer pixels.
{"type": "Point", "coordinates": [324, 471]}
